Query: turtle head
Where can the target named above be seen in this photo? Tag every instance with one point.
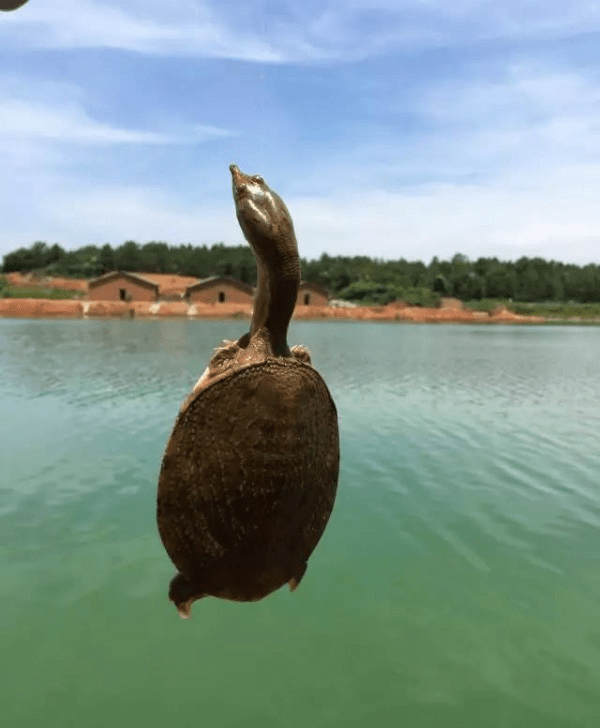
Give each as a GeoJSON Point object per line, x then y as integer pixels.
{"type": "Point", "coordinates": [262, 214]}
{"type": "Point", "coordinates": [267, 226]}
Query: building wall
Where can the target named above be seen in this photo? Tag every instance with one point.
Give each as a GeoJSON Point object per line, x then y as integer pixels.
{"type": "Point", "coordinates": [309, 297]}
{"type": "Point", "coordinates": [111, 291]}
{"type": "Point", "coordinates": [220, 293]}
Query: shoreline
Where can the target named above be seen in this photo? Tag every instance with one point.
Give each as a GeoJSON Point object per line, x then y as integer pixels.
{"type": "Point", "coordinates": [70, 308]}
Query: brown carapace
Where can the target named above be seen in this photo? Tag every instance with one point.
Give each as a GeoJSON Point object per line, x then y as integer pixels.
{"type": "Point", "coordinates": [249, 476]}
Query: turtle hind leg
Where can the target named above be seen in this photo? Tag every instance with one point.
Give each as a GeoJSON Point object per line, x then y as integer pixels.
{"type": "Point", "coordinates": [297, 578]}
{"type": "Point", "coordinates": [183, 594]}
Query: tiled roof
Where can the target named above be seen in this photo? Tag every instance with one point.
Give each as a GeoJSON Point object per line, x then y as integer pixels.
{"type": "Point", "coordinates": [139, 277]}
{"type": "Point", "coordinates": [216, 280]}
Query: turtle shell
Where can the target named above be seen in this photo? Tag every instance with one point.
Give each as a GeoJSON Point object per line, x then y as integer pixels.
{"type": "Point", "coordinates": [248, 479]}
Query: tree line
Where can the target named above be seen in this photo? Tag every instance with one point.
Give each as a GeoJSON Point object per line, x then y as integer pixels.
{"type": "Point", "coordinates": [358, 278]}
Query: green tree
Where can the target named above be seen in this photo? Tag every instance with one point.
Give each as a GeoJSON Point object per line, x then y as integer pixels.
{"type": "Point", "coordinates": [106, 259]}
{"type": "Point", "coordinates": [127, 256]}
{"type": "Point", "coordinates": [441, 286]}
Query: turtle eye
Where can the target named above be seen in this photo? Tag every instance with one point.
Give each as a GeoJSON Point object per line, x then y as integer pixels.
{"type": "Point", "coordinates": [258, 179]}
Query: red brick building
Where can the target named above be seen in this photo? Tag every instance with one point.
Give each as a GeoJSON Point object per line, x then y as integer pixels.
{"type": "Point", "coordinates": [311, 294]}
{"type": "Point", "coordinates": [220, 289]}
{"type": "Point", "coordinates": [122, 286]}
{"type": "Point", "coordinates": [125, 286]}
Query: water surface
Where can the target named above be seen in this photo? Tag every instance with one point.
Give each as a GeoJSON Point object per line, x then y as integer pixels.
{"type": "Point", "coordinates": [457, 584]}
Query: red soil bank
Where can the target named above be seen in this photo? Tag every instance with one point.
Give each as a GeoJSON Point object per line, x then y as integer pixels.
{"type": "Point", "coordinates": [41, 308]}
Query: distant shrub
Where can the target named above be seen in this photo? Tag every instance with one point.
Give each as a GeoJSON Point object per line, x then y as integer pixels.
{"type": "Point", "coordinates": [8, 291]}
{"type": "Point", "coordinates": [561, 310]}
{"type": "Point", "coordinates": [548, 309]}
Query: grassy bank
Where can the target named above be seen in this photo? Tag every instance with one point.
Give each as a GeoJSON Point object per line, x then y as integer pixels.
{"type": "Point", "coordinates": [8, 291]}
{"type": "Point", "coordinates": [559, 310]}
{"type": "Point", "coordinates": [552, 310]}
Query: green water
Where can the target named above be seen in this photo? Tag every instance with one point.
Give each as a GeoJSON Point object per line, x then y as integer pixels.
{"type": "Point", "coordinates": [457, 584]}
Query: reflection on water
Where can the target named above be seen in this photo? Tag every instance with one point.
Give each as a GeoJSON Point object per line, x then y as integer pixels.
{"type": "Point", "coordinates": [457, 583]}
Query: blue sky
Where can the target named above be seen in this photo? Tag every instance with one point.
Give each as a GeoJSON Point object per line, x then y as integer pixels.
{"type": "Point", "coordinates": [392, 128]}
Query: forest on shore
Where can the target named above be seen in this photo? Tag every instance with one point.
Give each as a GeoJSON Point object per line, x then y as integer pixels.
{"type": "Point", "coordinates": [360, 279]}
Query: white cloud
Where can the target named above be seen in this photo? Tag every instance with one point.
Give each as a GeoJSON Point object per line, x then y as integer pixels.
{"type": "Point", "coordinates": [189, 28]}
{"type": "Point", "coordinates": [261, 32]}
{"type": "Point", "coordinates": [117, 213]}
{"type": "Point", "coordinates": [526, 126]}
{"type": "Point", "coordinates": [507, 165]}
{"type": "Point", "coordinates": [21, 119]}
{"type": "Point", "coordinates": [46, 194]}
{"type": "Point", "coordinates": [477, 220]}
{"type": "Point", "coordinates": [520, 94]}
{"type": "Point", "coordinates": [63, 119]}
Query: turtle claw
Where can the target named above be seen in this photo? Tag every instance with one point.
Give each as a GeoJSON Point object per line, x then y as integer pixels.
{"type": "Point", "coordinates": [294, 582]}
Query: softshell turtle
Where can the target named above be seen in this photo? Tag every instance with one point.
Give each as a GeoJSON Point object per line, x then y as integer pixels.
{"type": "Point", "coordinates": [250, 471]}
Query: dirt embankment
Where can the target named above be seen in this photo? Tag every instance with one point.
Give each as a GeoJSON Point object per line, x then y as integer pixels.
{"type": "Point", "coordinates": [416, 314]}
{"type": "Point", "coordinates": [31, 280]}
{"type": "Point", "coordinates": [39, 308]}
{"type": "Point", "coordinates": [45, 308]}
